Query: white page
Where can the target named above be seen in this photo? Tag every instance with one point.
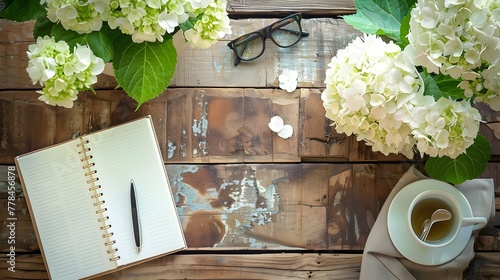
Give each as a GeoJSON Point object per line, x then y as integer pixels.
{"type": "Point", "coordinates": [64, 213]}
{"type": "Point", "coordinates": [130, 152]}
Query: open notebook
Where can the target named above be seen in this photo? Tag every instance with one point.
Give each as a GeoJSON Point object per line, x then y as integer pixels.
{"type": "Point", "coordinates": [78, 193]}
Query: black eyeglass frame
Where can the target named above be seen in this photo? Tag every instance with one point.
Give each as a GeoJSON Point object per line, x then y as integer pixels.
{"type": "Point", "coordinates": [264, 33]}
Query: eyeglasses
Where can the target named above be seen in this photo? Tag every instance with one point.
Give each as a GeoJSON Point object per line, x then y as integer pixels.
{"type": "Point", "coordinates": [284, 33]}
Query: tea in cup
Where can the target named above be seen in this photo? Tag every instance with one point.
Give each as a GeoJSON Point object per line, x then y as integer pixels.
{"type": "Point", "coordinates": [443, 232]}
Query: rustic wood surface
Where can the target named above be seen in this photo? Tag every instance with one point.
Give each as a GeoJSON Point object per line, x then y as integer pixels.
{"type": "Point", "coordinates": [295, 208]}
{"type": "Point", "coordinates": [252, 205]}
{"type": "Point", "coordinates": [212, 67]}
{"type": "Point", "coordinates": [208, 69]}
{"type": "Point", "coordinates": [266, 266]}
{"type": "Point", "coordinates": [238, 8]}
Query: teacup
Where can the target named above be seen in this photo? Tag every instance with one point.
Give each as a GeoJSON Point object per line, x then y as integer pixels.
{"type": "Point", "coordinates": [444, 232]}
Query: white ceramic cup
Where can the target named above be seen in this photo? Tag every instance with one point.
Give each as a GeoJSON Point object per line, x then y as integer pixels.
{"type": "Point", "coordinates": [441, 233]}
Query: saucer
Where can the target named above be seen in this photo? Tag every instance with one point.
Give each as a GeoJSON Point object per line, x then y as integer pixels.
{"type": "Point", "coordinates": [399, 228]}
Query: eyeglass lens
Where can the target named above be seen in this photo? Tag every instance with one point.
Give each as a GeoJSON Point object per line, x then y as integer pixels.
{"type": "Point", "coordinates": [284, 33]}
{"type": "Point", "coordinates": [250, 46]}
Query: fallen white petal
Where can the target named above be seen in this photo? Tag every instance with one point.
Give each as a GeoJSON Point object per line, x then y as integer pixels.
{"type": "Point", "coordinates": [286, 132]}
{"type": "Point", "coordinates": [276, 123]}
{"type": "Point", "coordinates": [288, 80]}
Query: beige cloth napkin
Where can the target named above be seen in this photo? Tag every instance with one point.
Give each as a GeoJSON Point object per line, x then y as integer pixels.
{"type": "Point", "coordinates": [381, 260]}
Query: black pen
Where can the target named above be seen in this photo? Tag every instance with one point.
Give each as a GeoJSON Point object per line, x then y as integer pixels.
{"type": "Point", "coordinates": [135, 216]}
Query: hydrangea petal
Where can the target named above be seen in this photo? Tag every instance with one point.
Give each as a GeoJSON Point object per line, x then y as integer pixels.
{"type": "Point", "coordinates": [286, 132]}
{"type": "Point", "coordinates": [276, 123]}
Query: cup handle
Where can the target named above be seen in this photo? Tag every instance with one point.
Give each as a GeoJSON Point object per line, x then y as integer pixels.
{"type": "Point", "coordinates": [476, 222]}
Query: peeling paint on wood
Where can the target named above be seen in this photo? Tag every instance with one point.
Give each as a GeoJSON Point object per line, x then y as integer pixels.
{"type": "Point", "coordinates": [219, 201]}
{"type": "Point", "coordinates": [171, 149]}
{"type": "Point", "coordinates": [200, 127]}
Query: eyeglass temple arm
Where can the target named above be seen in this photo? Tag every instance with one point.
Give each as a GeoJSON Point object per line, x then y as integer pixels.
{"type": "Point", "coordinates": [237, 60]}
{"type": "Point", "coordinates": [302, 34]}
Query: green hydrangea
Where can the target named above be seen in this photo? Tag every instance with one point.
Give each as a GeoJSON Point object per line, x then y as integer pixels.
{"type": "Point", "coordinates": [212, 25]}
{"type": "Point", "coordinates": [62, 73]}
{"type": "Point", "coordinates": [76, 15]}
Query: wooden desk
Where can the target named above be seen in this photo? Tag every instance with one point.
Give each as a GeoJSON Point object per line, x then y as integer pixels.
{"type": "Point", "coordinates": [253, 206]}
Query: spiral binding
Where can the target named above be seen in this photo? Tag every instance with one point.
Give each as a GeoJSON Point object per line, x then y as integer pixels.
{"type": "Point", "coordinates": [96, 196]}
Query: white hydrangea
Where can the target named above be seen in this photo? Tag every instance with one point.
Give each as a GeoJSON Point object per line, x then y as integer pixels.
{"type": "Point", "coordinates": [147, 20]}
{"type": "Point", "coordinates": [79, 16]}
{"type": "Point", "coordinates": [491, 84]}
{"type": "Point", "coordinates": [454, 37]}
{"type": "Point", "coordinates": [213, 25]}
{"type": "Point", "coordinates": [199, 4]}
{"type": "Point", "coordinates": [445, 127]}
{"type": "Point", "coordinates": [459, 38]}
{"type": "Point", "coordinates": [484, 86]}
{"type": "Point", "coordinates": [371, 88]}
{"type": "Point", "coordinates": [60, 72]}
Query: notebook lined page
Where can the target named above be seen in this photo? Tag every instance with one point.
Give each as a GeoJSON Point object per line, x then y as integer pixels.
{"type": "Point", "coordinates": [64, 213]}
{"type": "Point", "coordinates": [130, 152]}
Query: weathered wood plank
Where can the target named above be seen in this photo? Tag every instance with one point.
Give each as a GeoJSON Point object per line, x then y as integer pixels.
{"type": "Point", "coordinates": [217, 266]}
{"type": "Point", "coordinates": [228, 206]}
{"type": "Point", "coordinates": [204, 125]}
{"type": "Point", "coordinates": [179, 124]}
{"type": "Point", "coordinates": [319, 138]}
{"type": "Point", "coordinates": [484, 266]}
{"type": "Point", "coordinates": [321, 142]}
{"type": "Point", "coordinates": [30, 124]}
{"type": "Point", "coordinates": [316, 7]}
{"type": "Point", "coordinates": [490, 130]}
{"type": "Point", "coordinates": [212, 67]}
{"type": "Point", "coordinates": [257, 116]}
{"type": "Point", "coordinates": [253, 206]}
{"type": "Point", "coordinates": [210, 125]}
{"type": "Point", "coordinates": [6, 127]}
{"type": "Point", "coordinates": [198, 125]}
{"type": "Point", "coordinates": [314, 206]}
{"type": "Point", "coordinates": [14, 41]}
{"type": "Point", "coordinates": [35, 138]}
{"type": "Point", "coordinates": [327, 266]}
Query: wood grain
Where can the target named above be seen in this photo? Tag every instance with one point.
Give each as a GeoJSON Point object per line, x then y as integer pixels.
{"type": "Point", "coordinates": [252, 205]}
{"type": "Point", "coordinates": [314, 206]}
{"type": "Point", "coordinates": [214, 66]}
{"type": "Point", "coordinates": [217, 266]}
{"type": "Point", "coordinates": [211, 67]}
{"type": "Point", "coordinates": [208, 68]}
{"type": "Point", "coordinates": [205, 125]}
{"type": "Point", "coordinates": [239, 8]}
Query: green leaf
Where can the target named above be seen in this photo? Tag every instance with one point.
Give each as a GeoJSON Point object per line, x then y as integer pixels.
{"type": "Point", "coordinates": [380, 16]}
{"type": "Point", "coordinates": [144, 70]}
{"type": "Point", "coordinates": [98, 41]}
{"type": "Point", "coordinates": [449, 86]}
{"type": "Point", "coordinates": [188, 24]}
{"type": "Point", "coordinates": [404, 31]}
{"type": "Point", "coordinates": [430, 86]}
{"type": "Point", "coordinates": [442, 86]}
{"type": "Point", "coordinates": [43, 26]}
{"type": "Point", "coordinates": [22, 10]}
{"type": "Point", "coordinates": [466, 166]}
